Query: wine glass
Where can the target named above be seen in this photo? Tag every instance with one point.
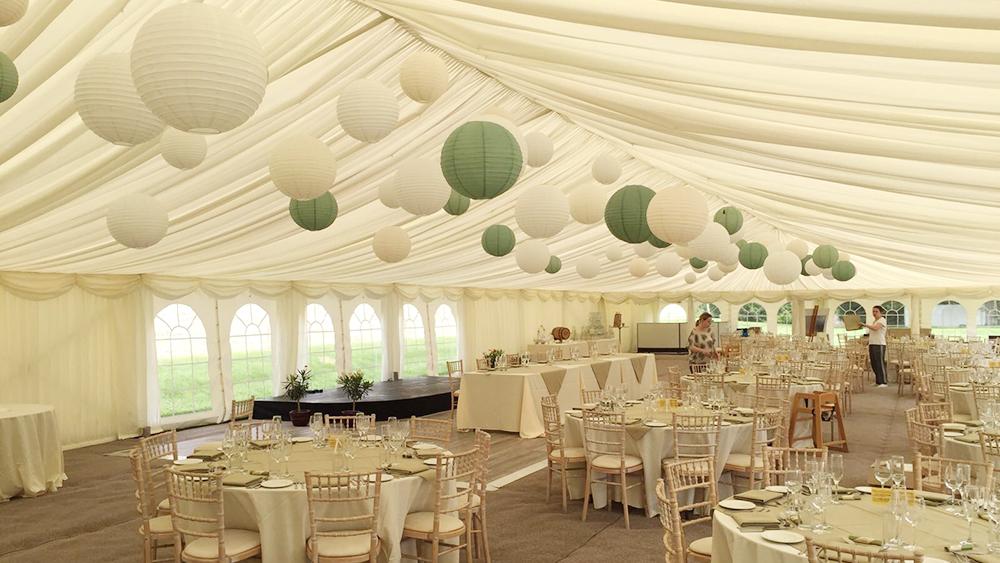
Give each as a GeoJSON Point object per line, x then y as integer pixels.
{"type": "Point", "coordinates": [835, 465]}
{"type": "Point", "coordinates": [230, 448]}
{"type": "Point", "coordinates": [914, 515]}
{"type": "Point", "coordinates": [361, 423]}
{"type": "Point", "coordinates": [972, 500]}
{"type": "Point", "coordinates": [820, 500]}
{"type": "Point", "coordinates": [883, 471]}
{"type": "Point", "coordinates": [897, 470]}
{"type": "Point", "coordinates": [951, 482]}
{"type": "Point", "coordinates": [316, 424]}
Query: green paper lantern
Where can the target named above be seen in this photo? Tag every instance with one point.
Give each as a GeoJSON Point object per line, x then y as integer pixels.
{"type": "Point", "coordinates": [843, 271]}
{"type": "Point", "coordinates": [481, 160]}
{"type": "Point", "coordinates": [498, 240]}
{"type": "Point", "coordinates": [555, 264]}
{"type": "Point", "coordinates": [314, 214]}
{"type": "Point", "coordinates": [457, 203]}
{"type": "Point", "coordinates": [730, 218]}
{"type": "Point", "coordinates": [752, 255]}
{"type": "Point", "coordinates": [625, 214]}
{"type": "Point", "coordinates": [806, 259]}
{"type": "Point", "coordinates": [697, 263]}
{"type": "Point", "coordinates": [8, 78]}
{"type": "Point", "coordinates": [825, 256]}
{"type": "Point", "coordinates": [741, 243]}
{"type": "Point", "coordinates": [655, 241]}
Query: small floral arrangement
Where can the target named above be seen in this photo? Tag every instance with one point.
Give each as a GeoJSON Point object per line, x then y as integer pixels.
{"type": "Point", "coordinates": [493, 357]}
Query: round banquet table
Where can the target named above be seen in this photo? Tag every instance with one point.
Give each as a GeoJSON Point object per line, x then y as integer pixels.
{"type": "Point", "coordinates": [31, 460]}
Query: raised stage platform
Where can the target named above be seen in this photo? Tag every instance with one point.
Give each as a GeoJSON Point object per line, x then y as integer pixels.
{"type": "Point", "coordinates": [413, 396]}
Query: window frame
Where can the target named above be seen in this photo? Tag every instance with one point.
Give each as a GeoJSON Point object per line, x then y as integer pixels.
{"type": "Point", "coordinates": [760, 314]}
{"type": "Point", "coordinates": [379, 373]}
{"type": "Point", "coordinates": [439, 364]}
{"type": "Point", "coordinates": [787, 305]}
{"type": "Point", "coordinates": [156, 389]}
{"type": "Point", "coordinates": [305, 355]}
{"type": "Point", "coordinates": [425, 334]}
{"type": "Point", "coordinates": [272, 349]}
{"type": "Point", "coordinates": [892, 312]}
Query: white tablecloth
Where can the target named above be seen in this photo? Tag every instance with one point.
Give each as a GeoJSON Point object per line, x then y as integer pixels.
{"type": "Point", "coordinates": [31, 460]}
{"type": "Point", "coordinates": [511, 400]}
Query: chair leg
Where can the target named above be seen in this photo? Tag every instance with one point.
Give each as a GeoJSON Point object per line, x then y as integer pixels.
{"type": "Point", "coordinates": [565, 487]}
{"type": "Point", "coordinates": [485, 538]}
{"type": "Point", "coordinates": [625, 499]}
{"type": "Point", "coordinates": [548, 483]}
{"type": "Point", "coordinates": [586, 495]}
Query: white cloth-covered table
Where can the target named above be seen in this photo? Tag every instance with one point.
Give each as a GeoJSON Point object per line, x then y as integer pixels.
{"type": "Point", "coordinates": [957, 449]}
{"type": "Point", "coordinates": [582, 347]}
{"type": "Point", "coordinates": [31, 460]}
{"type": "Point", "coordinates": [511, 400]}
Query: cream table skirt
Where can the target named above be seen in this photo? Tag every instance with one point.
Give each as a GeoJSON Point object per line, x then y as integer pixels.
{"type": "Point", "coordinates": [511, 400]}
{"type": "Point", "coordinates": [957, 449]}
{"type": "Point", "coordinates": [31, 460]}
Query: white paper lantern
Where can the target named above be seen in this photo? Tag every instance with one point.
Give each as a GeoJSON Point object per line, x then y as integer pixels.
{"type": "Point", "coordinates": [678, 214]}
{"type": "Point", "coordinates": [11, 11]}
{"type": "Point", "coordinates": [424, 77]}
{"type": "Point", "coordinates": [198, 68]}
{"type": "Point", "coordinates": [109, 105]}
{"type": "Point", "coordinates": [540, 149]}
{"type": "Point", "coordinates": [302, 167]}
{"type": "Point", "coordinates": [588, 267]}
{"type": "Point", "coordinates": [730, 257]}
{"type": "Point", "coordinates": [782, 267]}
{"type": "Point", "coordinates": [420, 186]}
{"type": "Point", "coordinates": [669, 265]}
{"type": "Point", "coordinates": [387, 194]}
{"type": "Point", "coordinates": [684, 252]}
{"type": "Point", "coordinates": [711, 244]}
{"type": "Point", "coordinates": [391, 244]}
{"type": "Point", "coordinates": [587, 204]}
{"type": "Point", "coordinates": [183, 150]}
{"type": "Point", "coordinates": [812, 269]}
{"type": "Point", "coordinates": [137, 220]}
{"type": "Point", "coordinates": [828, 273]}
{"type": "Point", "coordinates": [606, 169]}
{"type": "Point", "coordinates": [532, 256]}
{"type": "Point", "coordinates": [367, 110]}
{"type": "Point", "coordinates": [715, 273]}
{"type": "Point", "coordinates": [728, 268]}
{"type": "Point", "coordinates": [613, 253]}
{"type": "Point", "coordinates": [644, 250]}
{"type": "Point", "coordinates": [638, 267]}
{"type": "Point", "coordinates": [798, 247]}
{"type": "Point", "coordinates": [541, 211]}
{"type": "Point", "coordinates": [689, 278]}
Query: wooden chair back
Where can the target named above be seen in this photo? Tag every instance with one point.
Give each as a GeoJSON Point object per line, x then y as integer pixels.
{"type": "Point", "coordinates": [671, 529]}
{"type": "Point", "coordinates": [435, 430]}
{"type": "Point", "coordinates": [696, 435]}
{"type": "Point", "coordinates": [343, 505]}
{"type": "Point", "coordinates": [604, 434]}
{"type": "Point", "coordinates": [196, 507]}
{"type": "Point", "coordinates": [692, 475]}
{"type": "Point", "coordinates": [935, 413]}
{"type": "Point", "coordinates": [338, 422]}
{"type": "Point", "coordinates": [820, 552]}
{"type": "Point", "coordinates": [780, 461]}
{"type": "Point", "coordinates": [929, 472]}
{"type": "Point", "coordinates": [552, 424]}
{"type": "Point", "coordinates": [242, 410]}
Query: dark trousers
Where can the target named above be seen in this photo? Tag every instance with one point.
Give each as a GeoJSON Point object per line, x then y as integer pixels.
{"type": "Point", "coordinates": [876, 355]}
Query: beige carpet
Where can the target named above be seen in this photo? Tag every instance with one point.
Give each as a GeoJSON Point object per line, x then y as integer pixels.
{"type": "Point", "coordinates": [92, 518]}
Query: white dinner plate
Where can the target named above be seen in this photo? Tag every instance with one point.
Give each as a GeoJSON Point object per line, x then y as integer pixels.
{"type": "Point", "coordinates": [301, 439]}
{"type": "Point", "coordinates": [633, 402]}
{"type": "Point", "coordinates": [953, 426]}
{"type": "Point", "coordinates": [726, 423]}
{"type": "Point", "coordinates": [276, 483]}
{"type": "Point", "coordinates": [373, 437]}
{"type": "Point", "coordinates": [864, 489]}
{"type": "Point", "coordinates": [735, 504]}
{"type": "Point", "coordinates": [385, 477]}
{"type": "Point", "coordinates": [655, 424]}
{"type": "Point", "coordinates": [188, 461]}
{"type": "Point", "coordinates": [589, 406]}
{"type": "Point", "coordinates": [953, 434]}
{"type": "Point", "coordinates": [743, 410]}
{"type": "Point", "coordinates": [778, 489]}
{"type": "Point", "coordinates": [784, 536]}
{"type": "Point", "coordinates": [425, 446]}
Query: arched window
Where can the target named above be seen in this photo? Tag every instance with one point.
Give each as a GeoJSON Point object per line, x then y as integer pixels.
{"type": "Point", "coordinates": [673, 313]}
{"type": "Point", "coordinates": [414, 343]}
{"type": "Point", "coordinates": [784, 319]}
{"type": "Point", "coordinates": [848, 307]}
{"type": "Point", "coordinates": [322, 347]}
{"type": "Point", "coordinates": [896, 315]}
{"type": "Point", "coordinates": [445, 337]}
{"type": "Point", "coordinates": [250, 347]}
{"type": "Point", "coordinates": [181, 361]}
{"type": "Point", "coordinates": [988, 319]}
{"type": "Point", "coordinates": [752, 315]}
{"type": "Point", "coordinates": [948, 319]}
{"type": "Point", "coordinates": [709, 308]}
{"type": "Point", "coordinates": [366, 341]}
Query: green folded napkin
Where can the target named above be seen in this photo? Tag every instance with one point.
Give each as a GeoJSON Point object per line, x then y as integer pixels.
{"type": "Point", "coordinates": [766, 520]}
{"type": "Point", "coordinates": [737, 419]}
{"type": "Point", "coordinates": [241, 480]}
{"type": "Point", "coordinates": [408, 467]}
{"type": "Point", "coordinates": [968, 438]}
{"type": "Point", "coordinates": [759, 496]}
{"type": "Point", "coordinates": [975, 423]}
{"type": "Point", "coordinates": [864, 540]}
{"type": "Point", "coordinates": [206, 455]}
{"type": "Point", "coordinates": [260, 443]}
{"type": "Point", "coordinates": [194, 468]}
{"type": "Point", "coordinates": [932, 496]}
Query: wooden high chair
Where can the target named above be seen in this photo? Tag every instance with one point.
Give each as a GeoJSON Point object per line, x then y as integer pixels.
{"type": "Point", "coordinates": [810, 407]}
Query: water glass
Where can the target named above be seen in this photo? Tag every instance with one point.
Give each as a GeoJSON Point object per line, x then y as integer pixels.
{"type": "Point", "coordinates": [972, 500]}
{"type": "Point", "coordinates": [913, 517]}
{"type": "Point", "coordinates": [883, 471]}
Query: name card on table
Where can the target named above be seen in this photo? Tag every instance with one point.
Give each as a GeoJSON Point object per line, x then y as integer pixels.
{"type": "Point", "coordinates": [882, 495]}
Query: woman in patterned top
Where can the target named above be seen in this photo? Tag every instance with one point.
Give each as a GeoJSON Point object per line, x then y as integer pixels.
{"type": "Point", "coordinates": [701, 343]}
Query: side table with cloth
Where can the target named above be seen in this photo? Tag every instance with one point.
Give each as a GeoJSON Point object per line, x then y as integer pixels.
{"type": "Point", "coordinates": [511, 400]}
{"type": "Point", "coordinates": [31, 459]}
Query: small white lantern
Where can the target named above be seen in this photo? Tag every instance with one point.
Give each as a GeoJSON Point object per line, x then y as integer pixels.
{"type": "Point", "coordinates": [420, 186]}
{"type": "Point", "coordinates": [812, 269]}
{"type": "Point", "coordinates": [798, 247]}
{"type": "Point", "coordinates": [11, 11]}
{"type": "Point", "coordinates": [367, 110]}
{"type": "Point", "coordinates": [684, 252]}
{"type": "Point", "coordinates": [690, 278]}
{"type": "Point", "coordinates": [391, 244]}
{"type": "Point", "coordinates": [678, 214]}
{"type": "Point", "coordinates": [303, 167]}
{"type": "Point", "coordinates": [782, 267]}
{"type": "Point", "coordinates": [730, 257]}
{"type": "Point", "coordinates": [183, 150]}
{"type": "Point", "coordinates": [541, 211]}
{"type": "Point", "coordinates": [614, 253]}
{"type": "Point", "coordinates": [588, 267]}
{"type": "Point", "coordinates": [828, 273]}
{"type": "Point", "coordinates": [715, 273]}
{"type": "Point", "coordinates": [711, 244]}
{"type": "Point", "coordinates": [198, 68]}
{"type": "Point", "coordinates": [540, 149]}
{"type": "Point", "coordinates": [669, 265]}
{"type": "Point", "coordinates": [137, 220]}
{"type": "Point", "coordinates": [727, 267]}
{"type": "Point", "coordinates": [109, 105]}
{"type": "Point", "coordinates": [638, 267]}
{"type": "Point", "coordinates": [644, 250]}
{"type": "Point", "coordinates": [532, 256]}
{"type": "Point", "coordinates": [606, 169]}
{"type": "Point", "coordinates": [587, 204]}
{"type": "Point", "coordinates": [423, 77]}
{"type": "Point", "coordinates": [387, 194]}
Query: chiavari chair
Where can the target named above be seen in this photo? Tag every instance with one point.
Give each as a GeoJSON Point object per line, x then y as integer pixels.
{"type": "Point", "coordinates": [343, 516]}
{"type": "Point", "coordinates": [820, 552]}
{"type": "Point", "coordinates": [685, 479]}
{"type": "Point", "coordinates": [197, 511]}
{"type": "Point", "coordinates": [604, 443]}
{"type": "Point", "coordinates": [560, 459]}
{"type": "Point", "coordinates": [441, 525]}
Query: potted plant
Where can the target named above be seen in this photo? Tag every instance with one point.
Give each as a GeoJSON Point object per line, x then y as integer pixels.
{"type": "Point", "coordinates": [356, 387]}
{"type": "Point", "coordinates": [296, 387]}
{"type": "Point", "coordinates": [493, 357]}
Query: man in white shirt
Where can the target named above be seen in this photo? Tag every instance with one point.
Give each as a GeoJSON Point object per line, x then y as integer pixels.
{"type": "Point", "coordinates": [876, 344]}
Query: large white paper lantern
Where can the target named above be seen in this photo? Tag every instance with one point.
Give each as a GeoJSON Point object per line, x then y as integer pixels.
{"type": "Point", "coordinates": [540, 149]}
{"type": "Point", "coordinates": [109, 105]}
{"type": "Point", "coordinates": [183, 150]}
{"type": "Point", "coordinates": [798, 247]}
{"type": "Point", "coordinates": [684, 252]}
{"type": "Point", "coordinates": [715, 273]}
{"type": "Point", "coordinates": [782, 267]}
{"type": "Point", "coordinates": [11, 11]}
{"type": "Point", "coordinates": [678, 214]}
{"type": "Point", "coordinates": [198, 68]}
{"type": "Point", "coordinates": [367, 110]}
{"type": "Point", "coordinates": [424, 77]}
{"type": "Point", "coordinates": [303, 167]}
{"type": "Point", "coordinates": [587, 204]}
{"type": "Point", "coordinates": [730, 257]}
{"type": "Point", "coordinates": [542, 211]}
{"type": "Point", "coordinates": [588, 267]}
{"type": "Point", "coordinates": [727, 267]}
{"type": "Point", "coordinates": [137, 220]}
{"type": "Point", "coordinates": [638, 267]}
{"type": "Point", "coordinates": [644, 250]}
{"type": "Point", "coordinates": [387, 194]}
{"type": "Point", "coordinates": [391, 244]}
{"type": "Point", "coordinates": [532, 256]}
{"type": "Point", "coordinates": [606, 169]}
{"type": "Point", "coordinates": [613, 253]}
{"type": "Point", "coordinates": [711, 244]}
{"type": "Point", "coordinates": [420, 186]}
{"type": "Point", "coordinates": [669, 265]}
{"type": "Point", "coordinates": [690, 278]}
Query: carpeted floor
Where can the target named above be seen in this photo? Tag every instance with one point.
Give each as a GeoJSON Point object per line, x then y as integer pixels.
{"type": "Point", "coordinates": [93, 518]}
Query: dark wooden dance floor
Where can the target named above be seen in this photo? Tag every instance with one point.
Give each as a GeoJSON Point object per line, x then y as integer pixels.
{"type": "Point", "coordinates": [413, 396]}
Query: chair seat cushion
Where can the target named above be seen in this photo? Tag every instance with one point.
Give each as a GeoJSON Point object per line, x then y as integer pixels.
{"type": "Point", "coordinates": [962, 417]}
{"type": "Point", "coordinates": [743, 460]}
{"type": "Point", "coordinates": [475, 501]}
{"type": "Point", "coordinates": [423, 522]}
{"type": "Point", "coordinates": [164, 505]}
{"type": "Point", "coordinates": [343, 546]}
{"type": "Point", "coordinates": [161, 525]}
{"type": "Point", "coordinates": [614, 462]}
{"type": "Point", "coordinates": [578, 453]}
{"type": "Point", "coordinates": [702, 546]}
{"type": "Point", "coordinates": [237, 541]}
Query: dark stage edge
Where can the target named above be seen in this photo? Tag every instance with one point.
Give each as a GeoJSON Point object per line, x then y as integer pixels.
{"type": "Point", "coordinates": [413, 396]}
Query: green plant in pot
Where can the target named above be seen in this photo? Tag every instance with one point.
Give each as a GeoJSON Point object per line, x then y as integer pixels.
{"type": "Point", "coordinates": [296, 387]}
{"type": "Point", "coordinates": [356, 387]}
